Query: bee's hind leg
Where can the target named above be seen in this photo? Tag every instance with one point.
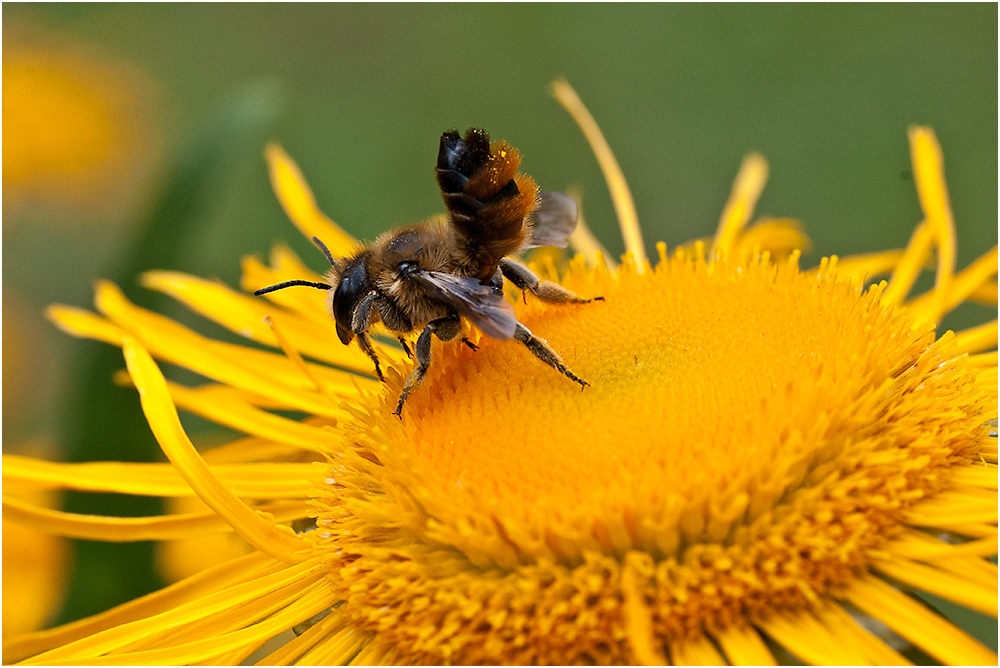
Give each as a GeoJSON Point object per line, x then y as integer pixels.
{"type": "Point", "coordinates": [547, 291]}
{"type": "Point", "coordinates": [542, 351]}
{"type": "Point", "coordinates": [445, 329]}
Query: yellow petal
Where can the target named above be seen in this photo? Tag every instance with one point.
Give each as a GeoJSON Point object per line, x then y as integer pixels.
{"type": "Point", "coordinates": [749, 184]}
{"type": "Point", "coordinates": [129, 529]}
{"type": "Point", "coordinates": [299, 204]}
{"type": "Point", "coordinates": [917, 623]}
{"type": "Point", "coordinates": [275, 480]}
{"type": "Point", "coordinates": [162, 417]}
{"type": "Point", "coordinates": [167, 598]}
{"type": "Point", "coordinates": [621, 196]}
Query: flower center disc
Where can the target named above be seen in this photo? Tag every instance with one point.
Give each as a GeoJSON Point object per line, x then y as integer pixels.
{"type": "Point", "coordinates": [717, 394]}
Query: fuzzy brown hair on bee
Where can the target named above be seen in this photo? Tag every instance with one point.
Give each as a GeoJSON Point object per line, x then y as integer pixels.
{"type": "Point", "coordinates": [430, 276]}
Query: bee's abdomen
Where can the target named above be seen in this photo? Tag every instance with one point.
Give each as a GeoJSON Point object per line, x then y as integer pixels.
{"type": "Point", "coordinates": [487, 199]}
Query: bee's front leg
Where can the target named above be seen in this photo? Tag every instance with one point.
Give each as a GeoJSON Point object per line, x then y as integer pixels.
{"type": "Point", "coordinates": [445, 329]}
{"type": "Point", "coordinates": [360, 321]}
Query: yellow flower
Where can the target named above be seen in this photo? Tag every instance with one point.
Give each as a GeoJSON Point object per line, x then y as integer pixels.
{"type": "Point", "coordinates": [34, 569]}
{"type": "Point", "coordinates": [768, 461]}
{"type": "Point", "coordinates": [78, 129]}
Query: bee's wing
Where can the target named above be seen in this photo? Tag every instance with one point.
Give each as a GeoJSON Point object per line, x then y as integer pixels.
{"type": "Point", "coordinates": [483, 305]}
{"type": "Point", "coordinates": [553, 221]}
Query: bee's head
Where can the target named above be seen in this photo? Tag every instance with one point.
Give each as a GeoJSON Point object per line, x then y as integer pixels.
{"type": "Point", "coordinates": [352, 286]}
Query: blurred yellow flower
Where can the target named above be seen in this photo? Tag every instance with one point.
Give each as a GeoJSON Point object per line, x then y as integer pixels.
{"type": "Point", "coordinates": [77, 128]}
{"type": "Point", "coordinates": [34, 566]}
{"type": "Point", "coordinates": [768, 460]}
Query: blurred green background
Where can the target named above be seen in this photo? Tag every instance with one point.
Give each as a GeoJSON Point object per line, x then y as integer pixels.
{"type": "Point", "coordinates": [187, 95]}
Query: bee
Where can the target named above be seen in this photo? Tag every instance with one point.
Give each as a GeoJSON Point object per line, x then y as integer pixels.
{"type": "Point", "coordinates": [430, 276]}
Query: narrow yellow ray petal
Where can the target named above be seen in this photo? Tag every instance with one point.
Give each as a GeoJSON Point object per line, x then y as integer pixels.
{"type": "Point", "coordinates": [273, 480]}
{"type": "Point", "coordinates": [976, 476]}
{"type": "Point", "coordinates": [987, 380]}
{"type": "Point", "coordinates": [866, 266]}
{"type": "Point", "coordinates": [621, 196]}
{"type": "Point", "coordinates": [695, 652]}
{"type": "Point", "coordinates": [80, 323]}
{"type": "Point", "coordinates": [222, 622]}
{"type": "Point", "coordinates": [809, 639]}
{"type": "Point", "coordinates": [370, 654]}
{"type": "Point", "coordinates": [264, 373]}
{"type": "Point", "coordinates": [275, 540]}
{"type": "Point", "coordinates": [778, 236]}
{"type": "Point", "coordinates": [747, 187]}
{"type": "Point", "coordinates": [168, 598]}
{"type": "Point", "coordinates": [583, 241]}
{"type": "Point", "coordinates": [918, 624]}
{"type": "Point", "coordinates": [977, 339]}
{"type": "Point", "coordinates": [975, 530]}
{"type": "Point", "coordinates": [236, 657]}
{"type": "Point", "coordinates": [121, 477]}
{"type": "Point", "coordinates": [914, 258]}
{"type": "Point", "coordinates": [968, 560]}
{"type": "Point", "coordinates": [291, 577]}
{"type": "Point", "coordinates": [129, 529]}
{"type": "Point", "coordinates": [848, 631]}
{"type": "Point", "coordinates": [254, 449]}
{"type": "Point", "coordinates": [960, 590]}
{"type": "Point", "coordinates": [984, 360]}
{"type": "Point", "coordinates": [958, 557]}
{"type": "Point", "coordinates": [338, 649]}
{"type": "Point", "coordinates": [285, 266]}
{"type": "Point", "coordinates": [743, 646]}
{"type": "Point", "coordinates": [328, 630]}
{"type": "Point", "coordinates": [639, 620]}
{"type": "Point", "coordinates": [951, 508]}
{"type": "Point", "coordinates": [224, 409]}
{"type": "Point", "coordinates": [986, 294]}
{"type": "Point", "coordinates": [245, 316]}
{"type": "Point", "coordinates": [931, 307]}
{"type": "Point", "coordinates": [293, 354]}
{"type": "Point", "coordinates": [300, 205]}
{"type": "Point", "coordinates": [306, 602]}
{"type": "Point", "coordinates": [928, 172]}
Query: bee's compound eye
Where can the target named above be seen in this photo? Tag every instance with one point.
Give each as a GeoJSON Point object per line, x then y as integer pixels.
{"type": "Point", "coordinates": [351, 289]}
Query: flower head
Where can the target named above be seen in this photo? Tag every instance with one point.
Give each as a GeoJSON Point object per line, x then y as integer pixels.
{"type": "Point", "coordinates": [78, 129]}
{"type": "Point", "coordinates": [767, 460]}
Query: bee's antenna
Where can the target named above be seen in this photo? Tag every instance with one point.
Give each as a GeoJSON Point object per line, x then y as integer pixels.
{"type": "Point", "coordinates": [288, 284]}
{"type": "Point", "coordinates": [326, 252]}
